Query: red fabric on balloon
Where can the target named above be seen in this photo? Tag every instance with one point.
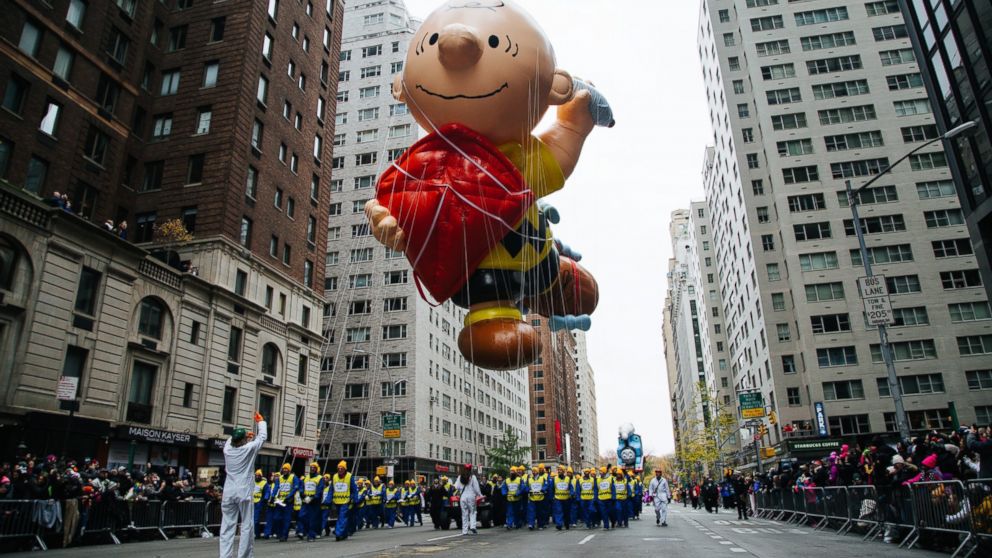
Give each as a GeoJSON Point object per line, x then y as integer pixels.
{"type": "Point", "coordinates": [455, 195]}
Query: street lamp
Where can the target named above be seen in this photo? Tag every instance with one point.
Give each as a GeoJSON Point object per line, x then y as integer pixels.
{"type": "Point", "coordinates": [853, 199]}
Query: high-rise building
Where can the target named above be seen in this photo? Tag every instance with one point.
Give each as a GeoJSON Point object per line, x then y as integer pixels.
{"type": "Point", "coordinates": [802, 97]}
{"type": "Point", "coordinates": [201, 125]}
{"type": "Point", "coordinates": [585, 399]}
{"type": "Point", "coordinates": [388, 351]}
{"type": "Point", "coordinates": [953, 42]}
{"type": "Point", "coordinates": [554, 415]}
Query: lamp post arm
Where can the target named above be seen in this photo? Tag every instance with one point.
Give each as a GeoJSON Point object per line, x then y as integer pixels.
{"type": "Point", "coordinates": [857, 192]}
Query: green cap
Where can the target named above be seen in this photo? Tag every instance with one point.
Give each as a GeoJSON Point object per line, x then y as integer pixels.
{"type": "Point", "coordinates": [238, 434]}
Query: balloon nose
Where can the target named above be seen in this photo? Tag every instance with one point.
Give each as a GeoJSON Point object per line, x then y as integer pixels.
{"type": "Point", "coordinates": [458, 47]}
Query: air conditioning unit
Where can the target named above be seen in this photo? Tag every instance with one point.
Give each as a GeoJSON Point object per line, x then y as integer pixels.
{"type": "Point", "coordinates": [268, 379]}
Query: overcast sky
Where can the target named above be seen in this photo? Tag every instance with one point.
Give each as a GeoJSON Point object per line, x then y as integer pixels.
{"type": "Point", "coordinates": [615, 208]}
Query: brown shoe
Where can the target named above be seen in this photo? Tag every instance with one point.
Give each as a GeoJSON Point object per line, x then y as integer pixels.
{"type": "Point", "coordinates": [574, 292]}
{"type": "Point", "coordinates": [500, 343]}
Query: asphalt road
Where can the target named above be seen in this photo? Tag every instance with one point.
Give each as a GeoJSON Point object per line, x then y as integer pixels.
{"type": "Point", "coordinates": [690, 534]}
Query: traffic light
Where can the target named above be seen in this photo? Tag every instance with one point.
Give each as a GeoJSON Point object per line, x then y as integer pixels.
{"type": "Point", "coordinates": [762, 430]}
{"type": "Point", "coordinates": [773, 418]}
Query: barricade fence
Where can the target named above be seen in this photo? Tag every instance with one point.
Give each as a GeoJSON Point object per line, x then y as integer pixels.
{"type": "Point", "coordinates": [960, 512]}
{"type": "Point", "coordinates": [17, 521]}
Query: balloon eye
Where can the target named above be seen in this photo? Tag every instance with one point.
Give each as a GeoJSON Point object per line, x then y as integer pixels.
{"type": "Point", "coordinates": [493, 41]}
{"type": "Point", "coordinates": [433, 39]}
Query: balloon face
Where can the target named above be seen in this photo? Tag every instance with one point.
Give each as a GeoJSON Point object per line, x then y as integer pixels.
{"type": "Point", "coordinates": [486, 65]}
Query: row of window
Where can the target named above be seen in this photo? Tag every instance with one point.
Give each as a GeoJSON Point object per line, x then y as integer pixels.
{"type": "Point", "coordinates": [913, 316]}
{"type": "Point", "coordinates": [922, 349]}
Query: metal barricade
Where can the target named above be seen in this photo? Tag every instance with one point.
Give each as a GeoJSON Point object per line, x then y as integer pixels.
{"type": "Point", "coordinates": [101, 518]}
{"type": "Point", "coordinates": [942, 506]}
{"type": "Point", "coordinates": [760, 503]}
{"type": "Point", "coordinates": [16, 521]}
{"type": "Point", "coordinates": [789, 510]}
{"type": "Point", "coordinates": [798, 497]}
{"type": "Point", "coordinates": [214, 515]}
{"type": "Point", "coordinates": [145, 516]}
{"type": "Point", "coordinates": [835, 507]}
{"type": "Point", "coordinates": [980, 504]}
{"type": "Point", "coordinates": [863, 510]}
{"type": "Point", "coordinates": [813, 498]}
{"type": "Point", "coordinates": [184, 515]}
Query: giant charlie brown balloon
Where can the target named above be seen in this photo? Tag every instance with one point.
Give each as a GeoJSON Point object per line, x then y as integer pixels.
{"type": "Point", "coordinates": [462, 202]}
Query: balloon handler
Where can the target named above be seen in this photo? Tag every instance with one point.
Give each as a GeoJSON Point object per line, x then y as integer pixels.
{"type": "Point", "coordinates": [239, 488]}
{"type": "Point", "coordinates": [462, 203]}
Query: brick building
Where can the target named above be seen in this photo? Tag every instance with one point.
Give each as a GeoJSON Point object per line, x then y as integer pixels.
{"type": "Point", "coordinates": [553, 399]}
{"type": "Point", "coordinates": [208, 112]}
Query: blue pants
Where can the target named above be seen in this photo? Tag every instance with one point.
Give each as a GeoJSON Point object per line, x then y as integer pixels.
{"type": "Point", "coordinates": [534, 510]}
{"type": "Point", "coordinates": [562, 511]}
{"type": "Point", "coordinates": [270, 521]}
{"type": "Point", "coordinates": [280, 517]}
{"type": "Point", "coordinates": [258, 516]}
{"type": "Point", "coordinates": [409, 515]}
{"type": "Point", "coordinates": [576, 512]}
{"type": "Point", "coordinates": [588, 508]}
{"type": "Point", "coordinates": [621, 518]}
{"type": "Point", "coordinates": [352, 519]}
{"type": "Point", "coordinates": [359, 518]}
{"type": "Point", "coordinates": [390, 516]}
{"type": "Point", "coordinates": [310, 515]}
{"type": "Point", "coordinates": [373, 515]}
{"type": "Point", "coordinates": [325, 512]}
{"type": "Point", "coordinates": [341, 527]}
{"type": "Point", "coordinates": [607, 511]}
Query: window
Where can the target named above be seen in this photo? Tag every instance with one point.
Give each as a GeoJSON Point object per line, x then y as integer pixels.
{"type": "Point", "coordinates": [882, 7]}
{"type": "Point", "coordinates": [818, 261]}
{"type": "Point", "coordinates": [876, 225]}
{"type": "Point", "coordinates": [153, 176]}
{"type": "Point", "coordinates": [245, 235]}
{"type": "Point", "coordinates": [833, 65]}
{"type": "Point", "coordinates": [822, 292]}
{"type": "Point", "coordinates": [846, 115]}
{"type": "Point", "coordinates": [903, 284]}
{"type": "Point", "coordinates": [299, 424]}
{"type": "Point", "coordinates": [796, 175]}
{"type": "Point", "coordinates": [841, 89]}
{"type": "Point", "coordinates": [170, 82]}
{"type": "Point", "coordinates": [911, 107]}
{"type": "Point", "coordinates": [783, 332]}
{"type": "Point", "coordinates": [400, 277]}
{"type": "Point", "coordinates": [139, 400]}
{"type": "Point", "coordinates": [262, 93]}
{"type": "Point", "coordinates": [30, 38]}
{"type": "Point", "coordinates": [757, 187]}
{"type": "Point", "coordinates": [389, 389]}
{"type": "Point", "coordinates": [177, 38]}
{"type": "Point", "coordinates": [838, 391]}
{"type": "Point", "coordinates": [767, 23]}
{"type": "Point", "coordinates": [76, 13]}
{"type": "Point", "coordinates": [826, 15]}
{"type": "Point", "coordinates": [228, 413]}
{"type": "Point", "coordinates": [356, 391]}
{"type": "Point", "coordinates": [393, 360]}
{"type": "Point", "coordinates": [752, 161]}
{"type": "Point", "coordinates": [979, 379]}
{"type": "Point", "coordinates": [927, 419]}
{"type": "Point", "coordinates": [871, 195]}
{"type": "Point", "coordinates": [830, 323]}
{"type": "Point", "coordinates": [885, 254]}
{"type": "Point", "coordinates": [361, 255]}
{"type": "Point", "coordinates": [34, 181]}
{"type": "Point", "coordinates": [889, 32]}
{"type": "Point", "coordinates": [778, 71]}
{"type": "Point", "coordinates": [267, 42]}
{"type": "Point", "coordinates": [792, 394]}
{"type": "Point", "coordinates": [951, 248]}
{"type": "Point", "coordinates": [789, 364]}
{"type": "Point", "coordinates": [961, 279]}
{"type": "Point", "coordinates": [778, 302]}
{"type": "Point", "coordinates": [943, 218]}
{"type": "Point", "coordinates": [908, 350]}
{"type": "Point", "coordinates": [257, 131]}
{"type": "Point", "coordinates": [118, 46]}
{"type": "Point", "coordinates": [49, 122]}
{"type": "Point", "coordinates": [847, 425]}
{"type": "Point", "coordinates": [194, 169]}
{"type": "Point", "coordinates": [830, 40]}
{"type": "Point", "coordinates": [399, 109]}
{"type": "Point", "coordinates": [287, 252]}
{"type": "Point", "coordinates": [784, 96]}
{"type": "Point", "coordinates": [898, 56]}
{"type": "Point", "coordinates": [904, 81]}
{"type": "Point", "coordinates": [811, 231]}
{"type": "Point", "coordinates": [395, 304]}
{"type": "Point", "coordinates": [773, 272]}
{"type": "Point", "coordinates": [767, 242]}
{"type": "Point", "coordinates": [210, 70]}
{"type": "Point", "coordinates": [789, 121]}
{"type": "Point", "coordinates": [771, 48]}
{"type": "Point", "coordinates": [913, 385]}
{"type": "Point", "coordinates": [86, 291]}
{"type": "Point", "coordinates": [836, 356]}
{"type": "Point", "coordinates": [762, 214]}
{"type": "Point", "coordinates": [367, 114]}
{"type": "Point", "coordinates": [795, 148]}
{"type": "Point", "coordinates": [927, 161]}
{"type": "Point", "coordinates": [63, 62]}
{"type": "Point", "coordinates": [724, 16]}
{"type": "Point", "coordinates": [273, 9]}
{"type": "Point", "coordinates": [151, 315]}
{"type": "Point", "coordinates": [806, 202]}
{"type": "Point", "coordinates": [969, 311]}
{"type": "Point", "coordinates": [14, 95]}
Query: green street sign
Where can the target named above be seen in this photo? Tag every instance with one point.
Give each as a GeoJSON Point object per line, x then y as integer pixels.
{"type": "Point", "coordinates": [391, 425]}
{"type": "Point", "coordinates": [752, 404]}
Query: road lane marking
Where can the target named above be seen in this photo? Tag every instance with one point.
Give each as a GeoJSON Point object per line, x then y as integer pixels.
{"type": "Point", "coordinates": [673, 539]}
{"type": "Point", "coordinates": [735, 549]}
{"type": "Point", "coordinates": [442, 538]}
{"type": "Point", "coordinates": [726, 542]}
{"type": "Point", "coordinates": [587, 539]}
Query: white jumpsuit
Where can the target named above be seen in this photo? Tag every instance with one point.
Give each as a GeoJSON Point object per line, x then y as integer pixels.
{"type": "Point", "coordinates": [470, 491]}
{"type": "Point", "coordinates": [239, 463]}
{"type": "Point", "coordinates": [660, 494]}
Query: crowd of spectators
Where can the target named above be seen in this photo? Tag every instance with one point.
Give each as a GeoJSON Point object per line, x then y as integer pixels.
{"type": "Point", "coordinates": [63, 495]}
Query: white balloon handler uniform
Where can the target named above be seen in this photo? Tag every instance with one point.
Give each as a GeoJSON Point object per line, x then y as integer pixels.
{"type": "Point", "coordinates": [660, 494]}
{"type": "Point", "coordinates": [239, 463]}
{"type": "Point", "coordinates": [470, 491]}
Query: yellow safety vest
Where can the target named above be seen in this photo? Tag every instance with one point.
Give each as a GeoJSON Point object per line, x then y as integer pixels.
{"type": "Point", "coordinates": [537, 488]}
{"type": "Point", "coordinates": [512, 490]}
{"type": "Point", "coordinates": [297, 502]}
{"type": "Point", "coordinates": [587, 488]}
{"type": "Point", "coordinates": [342, 489]}
{"type": "Point", "coordinates": [390, 502]}
{"type": "Point", "coordinates": [605, 484]}
{"type": "Point", "coordinates": [621, 490]}
{"type": "Point", "coordinates": [310, 485]}
{"type": "Point", "coordinates": [285, 485]}
{"type": "Point", "coordinates": [362, 493]}
{"type": "Point", "coordinates": [259, 488]}
{"type": "Point", "coordinates": [563, 488]}
{"type": "Point", "coordinates": [375, 495]}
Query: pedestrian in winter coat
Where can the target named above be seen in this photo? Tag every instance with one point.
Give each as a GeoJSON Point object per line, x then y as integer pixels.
{"type": "Point", "coordinates": [978, 441]}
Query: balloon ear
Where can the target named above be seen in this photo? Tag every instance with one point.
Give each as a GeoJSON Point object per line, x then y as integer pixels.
{"type": "Point", "coordinates": [398, 88]}
{"type": "Point", "coordinates": [562, 88]}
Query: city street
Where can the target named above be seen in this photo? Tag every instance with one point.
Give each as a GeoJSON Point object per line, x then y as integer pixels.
{"type": "Point", "coordinates": [690, 534]}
